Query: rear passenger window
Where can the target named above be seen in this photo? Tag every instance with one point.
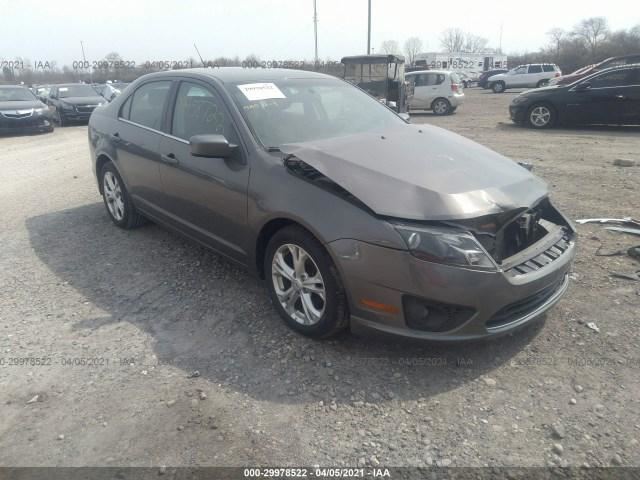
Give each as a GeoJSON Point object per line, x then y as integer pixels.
{"type": "Point", "coordinates": [548, 68]}
{"type": "Point", "coordinates": [535, 68]}
{"type": "Point", "coordinates": [148, 103]}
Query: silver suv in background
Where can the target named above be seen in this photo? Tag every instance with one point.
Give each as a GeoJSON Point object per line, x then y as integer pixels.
{"type": "Point", "coordinates": [535, 75]}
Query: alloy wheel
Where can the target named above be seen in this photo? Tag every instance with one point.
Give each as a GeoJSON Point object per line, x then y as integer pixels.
{"type": "Point", "coordinates": [440, 107]}
{"type": "Point", "coordinates": [113, 196]}
{"type": "Point", "coordinates": [298, 284]}
{"type": "Point", "coordinates": [540, 116]}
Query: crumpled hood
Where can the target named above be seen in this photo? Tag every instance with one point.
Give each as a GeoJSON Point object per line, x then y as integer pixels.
{"type": "Point", "coordinates": [421, 172]}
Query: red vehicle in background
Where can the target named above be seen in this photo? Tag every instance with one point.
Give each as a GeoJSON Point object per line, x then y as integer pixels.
{"type": "Point", "coordinates": [589, 69]}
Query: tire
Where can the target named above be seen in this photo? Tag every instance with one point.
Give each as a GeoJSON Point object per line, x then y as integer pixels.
{"type": "Point", "coordinates": [498, 87]}
{"type": "Point", "coordinates": [308, 314]}
{"type": "Point", "coordinates": [441, 106]}
{"type": "Point", "coordinates": [540, 116]}
{"type": "Point", "coordinates": [542, 83]}
{"type": "Point", "coordinates": [114, 194]}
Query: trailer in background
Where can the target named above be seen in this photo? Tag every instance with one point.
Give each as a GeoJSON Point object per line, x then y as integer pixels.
{"type": "Point", "coordinates": [472, 64]}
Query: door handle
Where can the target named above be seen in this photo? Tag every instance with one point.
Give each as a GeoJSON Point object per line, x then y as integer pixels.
{"type": "Point", "coordinates": [169, 159]}
{"type": "Point", "coordinates": [620, 97]}
{"type": "Point", "coordinates": [116, 137]}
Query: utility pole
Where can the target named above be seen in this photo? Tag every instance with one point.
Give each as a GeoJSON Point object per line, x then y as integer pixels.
{"type": "Point", "coordinates": [198, 51]}
{"type": "Point", "coordinates": [369, 32]}
{"type": "Point", "coordinates": [501, 26]}
{"type": "Point", "coordinates": [315, 30]}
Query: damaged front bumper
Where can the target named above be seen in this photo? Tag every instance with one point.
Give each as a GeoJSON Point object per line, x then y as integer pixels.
{"type": "Point", "coordinates": [394, 292]}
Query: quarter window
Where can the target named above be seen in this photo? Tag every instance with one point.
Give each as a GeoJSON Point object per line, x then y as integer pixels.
{"type": "Point", "coordinates": [199, 110]}
{"type": "Point", "coordinates": [148, 104]}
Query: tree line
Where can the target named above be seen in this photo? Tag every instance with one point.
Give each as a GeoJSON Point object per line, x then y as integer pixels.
{"type": "Point", "coordinates": [589, 41]}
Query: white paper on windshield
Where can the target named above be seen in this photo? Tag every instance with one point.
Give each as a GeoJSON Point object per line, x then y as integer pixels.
{"type": "Point", "coordinates": [260, 91]}
{"type": "Point", "coordinates": [63, 89]}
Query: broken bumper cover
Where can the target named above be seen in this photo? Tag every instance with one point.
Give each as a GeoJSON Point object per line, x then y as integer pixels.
{"type": "Point", "coordinates": [480, 304]}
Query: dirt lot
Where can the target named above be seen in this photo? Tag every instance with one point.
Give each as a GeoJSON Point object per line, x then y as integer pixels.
{"type": "Point", "coordinates": [101, 330]}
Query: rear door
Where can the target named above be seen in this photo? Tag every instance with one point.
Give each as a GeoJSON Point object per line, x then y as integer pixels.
{"type": "Point", "coordinates": [607, 99]}
{"type": "Point", "coordinates": [204, 197]}
{"type": "Point", "coordinates": [534, 75]}
{"type": "Point", "coordinates": [136, 137]}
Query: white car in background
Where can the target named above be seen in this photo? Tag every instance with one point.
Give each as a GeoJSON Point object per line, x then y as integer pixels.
{"type": "Point", "coordinates": [437, 90]}
{"type": "Point", "coordinates": [535, 75]}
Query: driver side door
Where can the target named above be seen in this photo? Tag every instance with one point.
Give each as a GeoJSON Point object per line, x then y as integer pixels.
{"type": "Point", "coordinates": [206, 198]}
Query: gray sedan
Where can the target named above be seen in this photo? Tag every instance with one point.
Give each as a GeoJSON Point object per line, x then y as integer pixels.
{"type": "Point", "coordinates": [351, 215]}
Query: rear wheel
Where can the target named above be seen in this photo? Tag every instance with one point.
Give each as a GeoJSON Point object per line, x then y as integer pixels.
{"type": "Point", "coordinates": [540, 116]}
{"type": "Point", "coordinates": [542, 83]}
{"type": "Point", "coordinates": [304, 284]}
{"type": "Point", "coordinates": [117, 200]}
{"type": "Point", "coordinates": [441, 106]}
{"type": "Point", "coordinates": [498, 87]}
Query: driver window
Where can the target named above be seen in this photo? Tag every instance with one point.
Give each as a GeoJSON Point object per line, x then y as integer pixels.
{"type": "Point", "coordinates": [199, 110]}
{"type": "Point", "coordinates": [520, 70]}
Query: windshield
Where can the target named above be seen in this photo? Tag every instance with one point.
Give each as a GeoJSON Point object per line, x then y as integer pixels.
{"type": "Point", "coordinates": [301, 110]}
{"type": "Point", "coordinates": [79, 90]}
{"type": "Point", "coordinates": [17, 94]}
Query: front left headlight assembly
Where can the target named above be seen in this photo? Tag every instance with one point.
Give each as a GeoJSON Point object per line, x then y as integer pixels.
{"type": "Point", "coordinates": [447, 246]}
{"type": "Point", "coordinates": [519, 99]}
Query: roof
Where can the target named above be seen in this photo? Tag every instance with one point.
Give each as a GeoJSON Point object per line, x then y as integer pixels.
{"type": "Point", "coordinates": [12, 86]}
{"type": "Point", "coordinates": [415, 72]}
{"type": "Point", "coordinates": [239, 74]}
{"type": "Point", "coordinates": [373, 59]}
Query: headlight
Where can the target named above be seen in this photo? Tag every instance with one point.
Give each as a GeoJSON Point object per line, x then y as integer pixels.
{"type": "Point", "coordinates": [519, 99]}
{"type": "Point", "coordinates": [448, 246]}
{"type": "Point", "coordinates": [39, 110]}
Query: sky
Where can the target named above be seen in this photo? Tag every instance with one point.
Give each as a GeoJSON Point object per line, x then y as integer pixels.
{"type": "Point", "coordinates": [163, 30]}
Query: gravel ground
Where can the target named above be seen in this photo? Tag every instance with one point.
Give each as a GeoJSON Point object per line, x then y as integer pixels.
{"type": "Point", "coordinates": [139, 348]}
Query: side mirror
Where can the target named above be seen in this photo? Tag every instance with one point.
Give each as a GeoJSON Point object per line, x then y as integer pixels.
{"type": "Point", "coordinates": [584, 86]}
{"type": "Point", "coordinates": [211, 146]}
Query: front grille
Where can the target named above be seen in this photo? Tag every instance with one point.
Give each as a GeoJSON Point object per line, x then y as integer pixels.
{"type": "Point", "coordinates": [85, 108]}
{"type": "Point", "coordinates": [519, 309]}
{"type": "Point", "coordinates": [17, 114]}
{"type": "Point", "coordinates": [545, 258]}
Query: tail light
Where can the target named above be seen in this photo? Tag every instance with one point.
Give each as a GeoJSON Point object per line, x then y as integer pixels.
{"type": "Point", "coordinates": [455, 88]}
{"type": "Point", "coordinates": [557, 74]}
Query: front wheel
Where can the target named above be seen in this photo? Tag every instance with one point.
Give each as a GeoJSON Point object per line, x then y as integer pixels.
{"type": "Point", "coordinates": [441, 106]}
{"type": "Point", "coordinates": [117, 200]}
{"type": "Point", "coordinates": [304, 284]}
{"type": "Point", "coordinates": [498, 87]}
{"type": "Point", "coordinates": [540, 116]}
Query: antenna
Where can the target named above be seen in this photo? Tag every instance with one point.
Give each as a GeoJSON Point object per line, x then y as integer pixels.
{"type": "Point", "coordinates": [84, 62]}
{"type": "Point", "coordinates": [315, 30]}
{"type": "Point", "coordinates": [198, 51]}
{"type": "Point", "coordinates": [369, 32]}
